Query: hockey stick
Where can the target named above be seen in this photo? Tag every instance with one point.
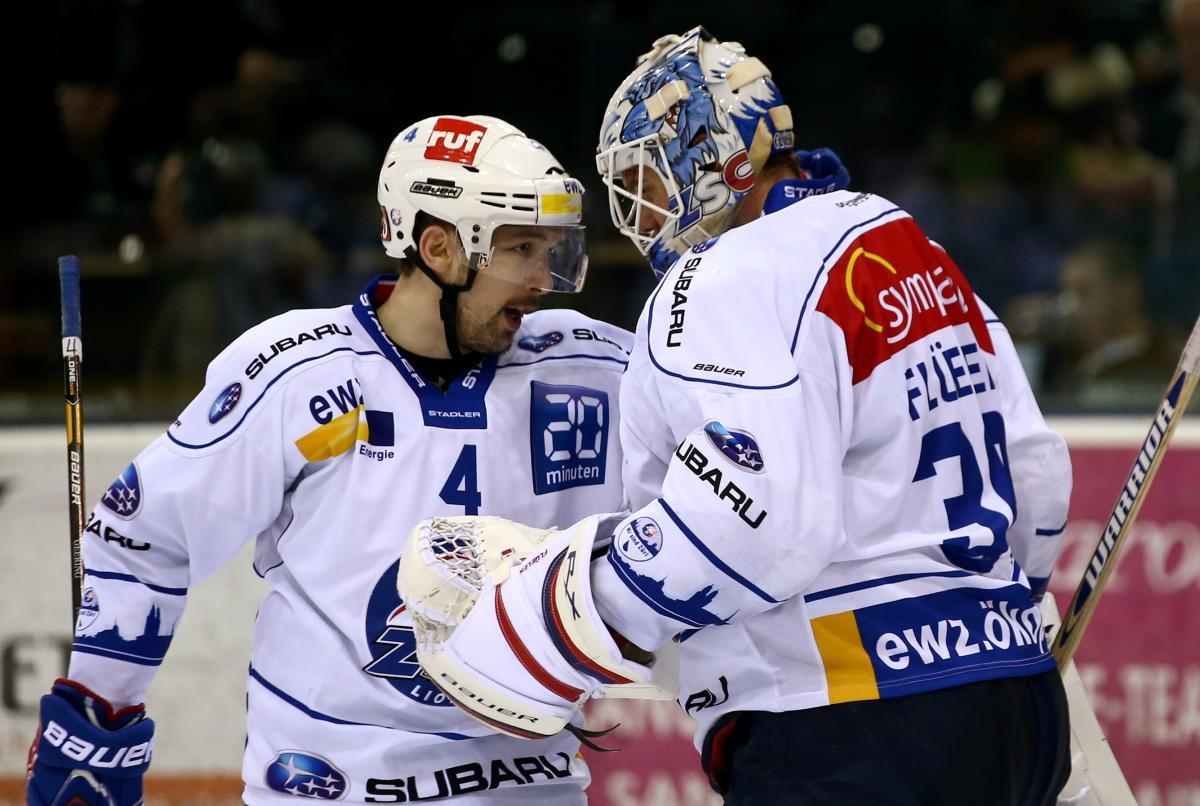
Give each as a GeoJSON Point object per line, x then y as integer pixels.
{"type": "Point", "coordinates": [72, 353]}
{"type": "Point", "coordinates": [1116, 531]}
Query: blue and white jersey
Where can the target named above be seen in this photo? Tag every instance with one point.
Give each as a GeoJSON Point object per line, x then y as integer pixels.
{"type": "Point", "coordinates": [843, 487]}
{"type": "Point", "coordinates": [316, 438]}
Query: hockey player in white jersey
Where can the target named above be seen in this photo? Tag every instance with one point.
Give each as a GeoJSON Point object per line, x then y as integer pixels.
{"type": "Point", "coordinates": [323, 435]}
{"type": "Point", "coordinates": [846, 502]}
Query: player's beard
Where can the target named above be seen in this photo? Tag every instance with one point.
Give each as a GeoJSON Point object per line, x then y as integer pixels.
{"type": "Point", "coordinates": [486, 331]}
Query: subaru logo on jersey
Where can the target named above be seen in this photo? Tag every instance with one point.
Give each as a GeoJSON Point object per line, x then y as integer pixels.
{"type": "Point", "coordinates": [294, 772]}
{"type": "Point", "coordinates": [640, 540]}
{"type": "Point", "coordinates": [225, 402]}
{"type": "Point", "coordinates": [89, 609]}
{"type": "Point", "coordinates": [568, 436]}
{"type": "Point", "coordinates": [704, 246]}
{"type": "Point", "coordinates": [738, 446]}
{"type": "Point", "coordinates": [393, 645]}
{"type": "Point", "coordinates": [124, 496]}
{"type": "Point", "coordinates": [537, 344]}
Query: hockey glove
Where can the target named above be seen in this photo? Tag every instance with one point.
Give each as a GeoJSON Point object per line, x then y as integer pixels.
{"type": "Point", "coordinates": [823, 173]}
{"type": "Point", "coordinates": [85, 754]}
{"type": "Point", "coordinates": [515, 642]}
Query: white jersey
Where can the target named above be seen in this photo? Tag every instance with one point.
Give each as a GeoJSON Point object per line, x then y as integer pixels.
{"type": "Point", "coordinates": [843, 488]}
{"type": "Point", "coordinates": [314, 436]}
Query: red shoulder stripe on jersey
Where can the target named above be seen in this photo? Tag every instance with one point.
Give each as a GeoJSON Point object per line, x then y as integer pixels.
{"type": "Point", "coordinates": [892, 287]}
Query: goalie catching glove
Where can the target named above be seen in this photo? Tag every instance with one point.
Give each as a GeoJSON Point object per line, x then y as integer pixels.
{"type": "Point", "coordinates": [87, 754]}
{"type": "Point", "coordinates": [505, 624]}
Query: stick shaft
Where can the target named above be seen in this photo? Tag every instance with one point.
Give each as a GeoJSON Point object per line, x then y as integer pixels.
{"type": "Point", "coordinates": [72, 353]}
{"type": "Point", "coordinates": [1129, 502]}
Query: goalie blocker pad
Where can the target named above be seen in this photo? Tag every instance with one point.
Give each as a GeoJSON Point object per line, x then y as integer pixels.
{"type": "Point", "coordinates": [533, 648]}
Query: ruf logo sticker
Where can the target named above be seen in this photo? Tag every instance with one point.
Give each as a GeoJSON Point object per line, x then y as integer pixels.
{"type": "Point", "coordinates": [454, 140]}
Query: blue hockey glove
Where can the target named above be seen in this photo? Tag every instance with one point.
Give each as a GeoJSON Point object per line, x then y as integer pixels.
{"type": "Point", "coordinates": [824, 168]}
{"type": "Point", "coordinates": [85, 754]}
{"type": "Point", "coordinates": [825, 171]}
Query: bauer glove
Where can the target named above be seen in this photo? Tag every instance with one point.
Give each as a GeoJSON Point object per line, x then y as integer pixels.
{"type": "Point", "coordinates": [86, 754]}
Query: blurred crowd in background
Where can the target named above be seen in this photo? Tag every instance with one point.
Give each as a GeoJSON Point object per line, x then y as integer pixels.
{"type": "Point", "coordinates": [214, 164]}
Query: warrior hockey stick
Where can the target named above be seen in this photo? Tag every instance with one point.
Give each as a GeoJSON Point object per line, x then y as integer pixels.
{"type": "Point", "coordinates": [1116, 530]}
{"type": "Point", "coordinates": [72, 353]}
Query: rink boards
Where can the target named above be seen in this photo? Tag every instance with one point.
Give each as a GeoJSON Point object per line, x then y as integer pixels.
{"type": "Point", "coordinates": [1140, 659]}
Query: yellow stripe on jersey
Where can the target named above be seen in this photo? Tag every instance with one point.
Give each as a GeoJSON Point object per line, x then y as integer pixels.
{"type": "Point", "coordinates": [335, 437]}
{"type": "Point", "coordinates": [848, 670]}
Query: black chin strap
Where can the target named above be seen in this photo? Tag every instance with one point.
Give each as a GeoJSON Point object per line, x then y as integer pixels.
{"type": "Point", "coordinates": [448, 304]}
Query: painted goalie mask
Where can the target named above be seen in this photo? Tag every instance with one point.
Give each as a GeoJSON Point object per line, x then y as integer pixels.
{"type": "Point", "coordinates": [704, 117]}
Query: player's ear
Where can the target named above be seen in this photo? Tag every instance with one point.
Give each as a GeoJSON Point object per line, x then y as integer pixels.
{"type": "Point", "coordinates": [441, 251]}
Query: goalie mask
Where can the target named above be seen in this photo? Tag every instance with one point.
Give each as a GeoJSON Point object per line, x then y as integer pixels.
{"type": "Point", "coordinates": [478, 174]}
{"type": "Point", "coordinates": [704, 117]}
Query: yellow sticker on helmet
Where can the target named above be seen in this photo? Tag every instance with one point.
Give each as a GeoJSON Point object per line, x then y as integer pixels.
{"type": "Point", "coordinates": [560, 203]}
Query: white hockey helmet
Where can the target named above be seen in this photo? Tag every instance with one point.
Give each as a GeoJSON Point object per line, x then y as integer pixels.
{"type": "Point", "coordinates": [704, 117]}
{"type": "Point", "coordinates": [478, 173]}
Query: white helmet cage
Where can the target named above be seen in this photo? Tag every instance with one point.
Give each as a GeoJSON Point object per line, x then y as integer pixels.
{"type": "Point", "coordinates": [704, 117]}
{"type": "Point", "coordinates": [478, 173]}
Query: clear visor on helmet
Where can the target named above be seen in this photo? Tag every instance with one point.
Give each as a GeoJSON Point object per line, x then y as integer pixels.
{"type": "Point", "coordinates": [543, 258]}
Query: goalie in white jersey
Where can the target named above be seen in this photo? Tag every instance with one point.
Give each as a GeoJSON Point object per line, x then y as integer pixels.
{"type": "Point", "coordinates": [323, 435]}
{"type": "Point", "coordinates": [846, 502]}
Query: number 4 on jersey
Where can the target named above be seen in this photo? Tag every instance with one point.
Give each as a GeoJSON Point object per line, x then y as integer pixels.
{"type": "Point", "coordinates": [462, 486]}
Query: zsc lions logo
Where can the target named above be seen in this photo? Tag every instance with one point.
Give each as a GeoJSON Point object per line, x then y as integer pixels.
{"type": "Point", "coordinates": [538, 344]}
{"type": "Point", "coordinates": [640, 540]}
{"type": "Point", "coordinates": [295, 772]}
{"type": "Point", "coordinates": [124, 496]}
{"type": "Point", "coordinates": [393, 645]}
{"type": "Point", "coordinates": [225, 402]}
{"type": "Point", "coordinates": [738, 446]}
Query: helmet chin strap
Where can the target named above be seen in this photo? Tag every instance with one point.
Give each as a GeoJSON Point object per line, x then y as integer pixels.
{"type": "Point", "coordinates": [448, 304]}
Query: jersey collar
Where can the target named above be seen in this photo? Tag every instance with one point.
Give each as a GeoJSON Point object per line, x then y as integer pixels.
{"type": "Point", "coordinates": [463, 404]}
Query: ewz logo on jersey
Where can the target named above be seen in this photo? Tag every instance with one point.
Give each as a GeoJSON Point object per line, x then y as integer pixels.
{"type": "Point", "coordinates": [393, 645]}
{"type": "Point", "coordinates": [294, 772]}
{"type": "Point", "coordinates": [346, 422]}
{"type": "Point", "coordinates": [568, 436]}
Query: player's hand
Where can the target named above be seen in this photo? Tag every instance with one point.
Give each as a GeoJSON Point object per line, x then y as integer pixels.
{"type": "Point", "coordinates": [85, 754]}
{"type": "Point", "coordinates": [824, 168]}
{"type": "Point", "coordinates": [531, 648]}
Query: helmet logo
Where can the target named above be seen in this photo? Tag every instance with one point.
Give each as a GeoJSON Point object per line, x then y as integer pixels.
{"type": "Point", "coordinates": [385, 226]}
{"type": "Point", "coordinates": [454, 140]}
{"type": "Point", "coordinates": [738, 173]}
